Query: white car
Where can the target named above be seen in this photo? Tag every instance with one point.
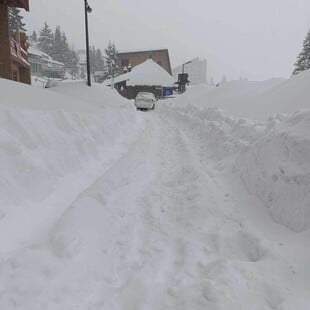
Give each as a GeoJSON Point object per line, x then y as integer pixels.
{"type": "Point", "coordinates": [145, 101]}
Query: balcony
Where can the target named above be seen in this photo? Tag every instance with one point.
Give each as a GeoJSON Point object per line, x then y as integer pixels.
{"type": "Point", "coordinates": [16, 3]}
{"type": "Point", "coordinates": [18, 53]}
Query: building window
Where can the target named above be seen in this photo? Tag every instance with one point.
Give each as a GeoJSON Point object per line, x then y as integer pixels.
{"type": "Point", "coordinates": [125, 62]}
{"type": "Point", "coordinates": [15, 75]}
{"type": "Point", "coordinates": [35, 68]}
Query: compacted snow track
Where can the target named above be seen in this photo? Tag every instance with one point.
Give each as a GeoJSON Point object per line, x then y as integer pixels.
{"type": "Point", "coordinates": [161, 229]}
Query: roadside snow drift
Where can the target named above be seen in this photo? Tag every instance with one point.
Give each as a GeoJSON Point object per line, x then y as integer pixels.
{"type": "Point", "coordinates": [50, 144]}
{"type": "Point", "coordinates": [276, 168]}
{"type": "Point", "coordinates": [185, 207]}
{"type": "Point", "coordinates": [272, 157]}
{"type": "Point", "coordinates": [254, 100]}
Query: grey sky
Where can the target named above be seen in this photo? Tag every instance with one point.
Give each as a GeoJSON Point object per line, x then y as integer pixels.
{"type": "Point", "coordinates": [258, 39]}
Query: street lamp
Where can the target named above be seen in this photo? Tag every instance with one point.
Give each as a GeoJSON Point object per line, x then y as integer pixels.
{"type": "Point", "coordinates": [183, 78]}
{"type": "Point", "coordinates": [88, 10]}
{"type": "Point", "coordinates": [186, 63]}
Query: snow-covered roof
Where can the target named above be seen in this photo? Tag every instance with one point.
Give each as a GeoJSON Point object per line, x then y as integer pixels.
{"type": "Point", "coordinates": [36, 52]}
{"type": "Point", "coordinates": [149, 73]}
{"type": "Point", "coordinates": [141, 50]}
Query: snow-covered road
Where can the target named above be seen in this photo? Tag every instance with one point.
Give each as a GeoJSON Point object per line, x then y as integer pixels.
{"type": "Point", "coordinates": [163, 228]}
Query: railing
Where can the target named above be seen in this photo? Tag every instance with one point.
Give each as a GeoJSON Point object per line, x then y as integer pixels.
{"type": "Point", "coordinates": [18, 51]}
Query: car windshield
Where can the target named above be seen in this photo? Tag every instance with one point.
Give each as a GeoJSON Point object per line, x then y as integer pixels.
{"type": "Point", "coordinates": [144, 95]}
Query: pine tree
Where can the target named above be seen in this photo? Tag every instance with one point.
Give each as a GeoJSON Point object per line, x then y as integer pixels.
{"type": "Point", "coordinates": [16, 20]}
{"type": "Point", "coordinates": [303, 60]}
{"type": "Point", "coordinates": [73, 65]}
{"type": "Point", "coordinates": [60, 48]}
{"type": "Point", "coordinates": [100, 64]}
{"type": "Point", "coordinates": [92, 59]}
{"type": "Point", "coordinates": [56, 52]}
{"type": "Point", "coordinates": [34, 37]}
{"type": "Point", "coordinates": [65, 50]}
{"type": "Point", "coordinates": [82, 73]}
{"type": "Point", "coordinates": [111, 61]}
{"type": "Point", "coordinates": [46, 39]}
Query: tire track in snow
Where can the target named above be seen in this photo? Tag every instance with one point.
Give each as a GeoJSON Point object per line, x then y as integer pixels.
{"type": "Point", "coordinates": [156, 231]}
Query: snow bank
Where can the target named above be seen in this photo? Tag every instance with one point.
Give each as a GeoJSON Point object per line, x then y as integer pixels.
{"type": "Point", "coordinates": [276, 168]}
{"type": "Point", "coordinates": [290, 96]}
{"type": "Point", "coordinates": [225, 135]}
{"type": "Point", "coordinates": [254, 100]}
{"type": "Point", "coordinates": [235, 97]}
{"type": "Point", "coordinates": [49, 143]}
{"type": "Point", "coordinates": [271, 157]}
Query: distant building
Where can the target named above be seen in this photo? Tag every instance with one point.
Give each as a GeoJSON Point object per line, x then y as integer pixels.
{"type": "Point", "coordinates": [148, 76]}
{"type": "Point", "coordinates": [196, 69]}
{"type": "Point", "coordinates": [136, 57]}
{"type": "Point", "coordinates": [13, 50]}
{"type": "Point", "coordinates": [43, 65]}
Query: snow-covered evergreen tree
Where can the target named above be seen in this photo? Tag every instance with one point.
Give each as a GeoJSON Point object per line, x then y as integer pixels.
{"type": "Point", "coordinates": [60, 48]}
{"type": "Point", "coordinates": [66, 51]}
{"type": "Point", "coordinates": [56, 52]}
{"type": "Point", "coordinates": [73, 65]}
{"type": "Point", "coordinates": [97, 62]}
{"type": "Point", "coordinates": [16, 20]}
{"type": "Point", "coordinates": [111, 61]}
{"type": "Point", "coordinates": [34, 37]}
{"type": "Point", "coordinates": [46, 39]}
{"type": "Point", "coordinates": [82, 73]}
{"type": "Point", "coordinates": [303, 60]}
{"type": "Point", "coordinates": [92, 59]}
{"type": "Point", "coordinates": [100, 65]}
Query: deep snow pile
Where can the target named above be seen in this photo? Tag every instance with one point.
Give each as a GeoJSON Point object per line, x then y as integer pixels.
{"type": "Point", "coordinates": [50, 142]}
{"type": "Point", "coordinates": [254, 100]}
{"type": "Point", "coordinates": [116, 217]}
{"type": "Point", "coordinates": [271, 157]}
{"type": "Point", "coordinates": [276, 168]}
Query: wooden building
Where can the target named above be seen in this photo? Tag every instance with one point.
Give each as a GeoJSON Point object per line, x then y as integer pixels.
{"type": "Point", "coordinates": [43, 65]}
{"type": "Point", "coordinates": [147, 77]}
{"type": "Point", "coordinates": [13, 51]}
{"type": "Point", "coordinates": [133, 58]}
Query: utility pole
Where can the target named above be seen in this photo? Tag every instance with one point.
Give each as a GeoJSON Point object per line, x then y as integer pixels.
{"type": "Point", "coordinates": [87, 11]}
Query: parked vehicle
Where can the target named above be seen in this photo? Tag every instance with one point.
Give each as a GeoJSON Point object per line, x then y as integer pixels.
{"type": "Point", "coordinates": [145, 101]}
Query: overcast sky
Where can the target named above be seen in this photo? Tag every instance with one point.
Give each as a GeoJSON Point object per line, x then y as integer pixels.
{"type": "Point", "coordinates": [258, 39]}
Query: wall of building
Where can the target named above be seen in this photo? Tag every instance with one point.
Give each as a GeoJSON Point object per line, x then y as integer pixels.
{"type": "Point", "coordinates": [13, 52]}
{"type": "Point", "coordinates": [5, 49]}
{"type": "Point", "coordinates": [43, 65]}
{"type": "Point", "coordinates": [197, 71]}
{"type": "Point", "coordinates": [130, 92]}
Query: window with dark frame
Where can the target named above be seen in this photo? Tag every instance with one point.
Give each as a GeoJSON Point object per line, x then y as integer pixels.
{"type": "Point", "coordinates": [125, 62]}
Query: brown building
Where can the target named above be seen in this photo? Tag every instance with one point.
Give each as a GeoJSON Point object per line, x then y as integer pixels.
{"type": "Point", "coordinates": [133, 58]}
{"type": "Point", "coordinates": [13, 50]}
{"type": "Point", "coordinates": [146, 77]}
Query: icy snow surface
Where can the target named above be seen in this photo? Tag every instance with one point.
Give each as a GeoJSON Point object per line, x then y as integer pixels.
{"type": "Point", "coordinates": [184, 207]}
